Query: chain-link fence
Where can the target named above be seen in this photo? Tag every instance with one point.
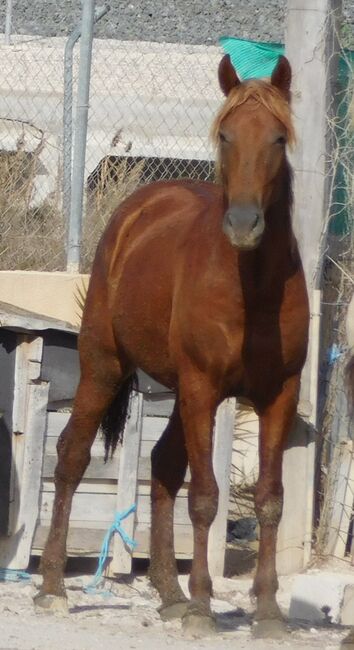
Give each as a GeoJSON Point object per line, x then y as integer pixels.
{"type": "Point", "coordinates": [31, 224]}
{"type": "Point", "coordinates": [151, 106]}
{"type": "Point", "coordinates": [335, 478]}
{"type": "Point", "coordinates": [151, 110]}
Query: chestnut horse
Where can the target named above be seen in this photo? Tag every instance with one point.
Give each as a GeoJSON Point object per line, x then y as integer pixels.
{"type": "Point", "coordinates": [200, 285]}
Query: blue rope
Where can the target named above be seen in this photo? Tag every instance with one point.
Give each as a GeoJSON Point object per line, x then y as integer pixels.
{"type": "Point", "coordinates": [116, 527]}
{"type": "Point", "coordinates": [334, 353]}
{"type": "Point", "coordinates": [14, 575]}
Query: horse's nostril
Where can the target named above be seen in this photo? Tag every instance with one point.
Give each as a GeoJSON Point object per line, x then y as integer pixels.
{"type": "Point", "coordinates": [256, 222]}
{"type": "Point", "coordinates": [229, 220]}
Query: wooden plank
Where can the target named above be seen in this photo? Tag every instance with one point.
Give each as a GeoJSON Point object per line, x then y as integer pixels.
{"type": "Point", "coordinates": [97, 449]}
{"type": "Point", "coordinates": [101, 486]}
{"type": "Point", "coordinates": [21, 384]}
{"type": "Point", "coordinates": [292, 527]}
{"type": "Point", "coordinates": [181, 515]}
{"type": "Point", "coordinates": [86, 541]}
{"type": "Point", "coordinates": [182, 537]}
{"type": "Point", "coordinates": [80, 541]}
{"type": "Point", "coordinates": [97, 468]}
{"type": "Point", "coordinates": [145, 489]}
{"type": "Point", "coordinates": [153, 427]}
{"type": "Point", "coordinates": [107, 487]}
{"type": "Point", "coordinates": [15, 550]}
{"type": "Point", "coordinates": [56, 422]}
{"type": "Point", "coordinates": [97, 507]}
{"type": "Point", "coordinates": [28, 351]}
{"type": "Point", "coordinates": [80, 523]}
{"type": "Point", "coordinates": [17, 318]}
{"type": "Point", "coordinates": [222, 453]}
{"type": "Point", "coordinates": [144, 468]}
{"type": "Point", "coordinates": [127, 483]}
{"type": "Point", "coordinates": [146, 448]}
{"type": "Point", "coordinates": [35, 352]}
{"type": "Point", "coordinates": [342, 499]}
{"type": "Point", "coordinates": [158, 407]}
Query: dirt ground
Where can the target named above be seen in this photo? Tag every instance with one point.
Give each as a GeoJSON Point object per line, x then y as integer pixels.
{"type": "Point", "coordinates": [127, 618]}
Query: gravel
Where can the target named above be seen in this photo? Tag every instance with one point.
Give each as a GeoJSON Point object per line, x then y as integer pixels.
{"type": "Point", "coordinates": [175, 21]}
{"type": "Point", "coordinates": [128, 619]}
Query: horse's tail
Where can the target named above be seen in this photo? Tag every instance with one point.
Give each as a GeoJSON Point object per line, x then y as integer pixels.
{"type": "Point", "coordinates": [349, 376]}
{"type": "Point", "coordinates": [113, 422]}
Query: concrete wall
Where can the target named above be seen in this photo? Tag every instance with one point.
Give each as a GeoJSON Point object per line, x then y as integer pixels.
{"type": "Point", "coordinates": [49, 294]}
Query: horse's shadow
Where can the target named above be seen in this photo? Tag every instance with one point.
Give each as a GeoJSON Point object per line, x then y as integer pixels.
{"type": "Point", "coordinates": [233, 619]}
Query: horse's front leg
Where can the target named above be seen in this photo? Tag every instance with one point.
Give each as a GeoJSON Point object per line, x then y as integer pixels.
{"type": "Point", "coordinates": [275, 422]}
{"type": "Point", "coordinates": [198, 403]}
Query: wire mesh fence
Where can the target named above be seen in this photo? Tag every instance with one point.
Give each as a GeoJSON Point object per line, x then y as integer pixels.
{"type": "Point", "coordinates": [31, 224]}
{"type": "Point", "coordinates": [334, 438]}
{"type": "Point", "coordinates": [151, 106]}
{"type": "Point", "coordinates": [151, 110]}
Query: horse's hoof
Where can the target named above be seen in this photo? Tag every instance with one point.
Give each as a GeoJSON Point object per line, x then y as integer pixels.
{"type": "Point", "coordinates": [198, 625]}
{"type": "Point", "coordinates": [269, 628]}
{"type": "Point", "coordinates": [51, 604]}
{"type": "Point", "coordinates": [348, 641]}
{"type": "Point", "coordinates": [176, 610]}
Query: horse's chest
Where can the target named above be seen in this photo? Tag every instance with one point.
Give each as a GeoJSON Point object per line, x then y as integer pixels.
{"type": "Point", "coordinates": [275, 343]}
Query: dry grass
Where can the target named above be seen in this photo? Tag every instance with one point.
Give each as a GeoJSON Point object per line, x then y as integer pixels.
{"type": "Point", "coordinates": [102, 203]}
{"type": "Point", "coordinates": [31, 237]}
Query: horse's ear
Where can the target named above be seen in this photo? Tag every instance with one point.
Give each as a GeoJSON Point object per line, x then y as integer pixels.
{"type": "Point", "coordinates": [228, 78]}
{"type": "Point", "coordinates": [281, 76]}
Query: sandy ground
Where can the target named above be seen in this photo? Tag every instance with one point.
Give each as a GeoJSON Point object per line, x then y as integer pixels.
{"type": "Point", "coordinates": [128, 618]}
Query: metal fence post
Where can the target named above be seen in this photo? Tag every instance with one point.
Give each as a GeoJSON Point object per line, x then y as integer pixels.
{"type": "Point", "coordinates": [8, 21]}
{"type": "Point", "coordinates": [68, 120]}
{"type": "Point", "coordinates": [68, 111]}
{"type": "Point", "coordinates": [78, 175]}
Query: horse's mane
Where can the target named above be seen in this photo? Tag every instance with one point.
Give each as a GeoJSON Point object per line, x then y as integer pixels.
{"type": "Point", "coordinates": [262, 92]}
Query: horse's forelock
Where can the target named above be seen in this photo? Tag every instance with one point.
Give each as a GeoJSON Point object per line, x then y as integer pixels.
{"type": "Point", "coordinates": [263, 93]}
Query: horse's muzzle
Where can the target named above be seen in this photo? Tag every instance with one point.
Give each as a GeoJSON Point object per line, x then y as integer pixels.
{"type": "Point", "coordinates": [244, 225]}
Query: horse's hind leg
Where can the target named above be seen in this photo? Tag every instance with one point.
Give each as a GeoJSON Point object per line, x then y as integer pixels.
{"type": "Point", "coordinates": [101, 375]}
{"type": "Point", "coordinates": [168, 466]}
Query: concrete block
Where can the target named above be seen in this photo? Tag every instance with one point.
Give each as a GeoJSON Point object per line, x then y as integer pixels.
{"type": "Point", "coordinates": [320, 597]}
{"type": "Point", "coordinates": [347, 611]}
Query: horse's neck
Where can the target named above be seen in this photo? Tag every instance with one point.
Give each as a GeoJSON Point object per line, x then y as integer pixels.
{"type": "Point", "coordinates": [265, 270]}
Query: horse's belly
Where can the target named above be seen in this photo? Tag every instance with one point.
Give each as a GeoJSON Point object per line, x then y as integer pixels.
{"type": "Point", "coordinates": [141, 322]}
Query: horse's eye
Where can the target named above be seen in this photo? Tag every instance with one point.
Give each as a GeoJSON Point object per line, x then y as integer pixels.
{"type": "Point", "coordinates": [222, 137]}
{"type": "Point", "coordinates": [281, 140]}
